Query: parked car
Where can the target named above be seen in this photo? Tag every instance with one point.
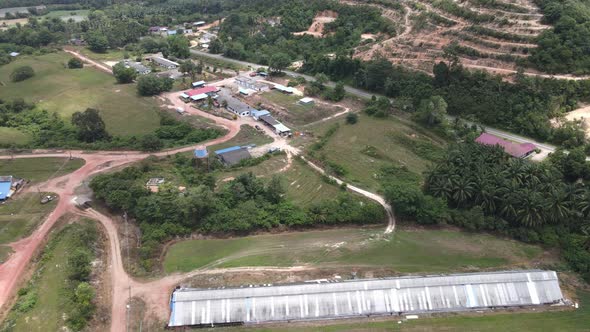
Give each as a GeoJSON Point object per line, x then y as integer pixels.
{"type": "Point", "coordinates": [47, 199]}
{"type": "Point", "coordinates": [252, 74]}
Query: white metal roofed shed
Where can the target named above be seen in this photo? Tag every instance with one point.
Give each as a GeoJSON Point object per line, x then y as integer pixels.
{"type": "Point", "coordinates": [345, 299]}
{"type": "Point", "coordinates": [200, 96]}
{"type": "Point", "coordinates": [306, 101]}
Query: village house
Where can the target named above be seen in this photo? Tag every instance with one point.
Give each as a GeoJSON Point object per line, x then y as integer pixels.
{"type": "Point", "coordinates": [138, 66]}
{"type": "Point", "coordinates": [233, 155]}
{"type": "Point", "coordinates": [199, 94]}
{"type": "Point", "coordinates": [276, 126]}
{"type": "Point", "coordinates": [516, 150]}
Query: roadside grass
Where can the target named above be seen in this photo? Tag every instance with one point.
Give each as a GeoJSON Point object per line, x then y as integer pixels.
{"type": "Point", "coordinates": [247, 135]}
{"type": "Point", "coordinates": [49, 284]}
{"type": "Point", "coordinates": [297, 114]}
{"type": "Point", "coordinates": [66, 91]}
{"type": "Point", "coordinates": [218, 63]}
{"type": "Point", "coordinates": [364, 148]}
{"type": "Point", "coordinates": [553, 321]}
{"type": "Point", "coordinates": [13, 136]}
{"type": "Point", "coordinates": [109, 55]}
{"type": "Point", "coordinates": [38, 170]}
{"type": "Point", "coordinates": [406, 251]}
{"type": "Point", "coordinates": [20, 215]}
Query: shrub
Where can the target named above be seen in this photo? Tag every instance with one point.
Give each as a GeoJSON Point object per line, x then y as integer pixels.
{"type": "Point", "coordinates": [75, 63]}
{"type": "Point", "coordinates": [22, 73]}
{"type": "Point", "coordinates": [352, 118]}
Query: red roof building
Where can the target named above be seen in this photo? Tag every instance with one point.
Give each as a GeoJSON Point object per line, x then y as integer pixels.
{"type": "Point", "coordinates": [206, 89]}
{"type": "Point", "coordinates": [516, 150]}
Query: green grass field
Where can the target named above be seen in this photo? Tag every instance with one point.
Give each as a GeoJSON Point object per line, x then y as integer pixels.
{"type": "Point", "coordinates": [391, 141]}
{"type": "Point", "coordinates": [305, 186]}
{"type": "Point", "coordinates": [38, 170]}
{"type": "Point", "coordinates": [13, 136]}
{"type": "Point", "coordinates": [19, 216]}
{"type": "Point", "coordinates": [555, 321]}
{"type": "Point", "coordinates": [66, 91]}
{"type": "Point", "coordinates": [407, 251]}
{"type": "Point", "coordinates": [50, 283]}
{"type": "Point", "coordinates": [109, 55]}
{"type": "Point", "coordinates": [247, 135]}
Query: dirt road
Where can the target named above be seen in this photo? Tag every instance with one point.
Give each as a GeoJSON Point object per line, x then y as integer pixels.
{"type": "Point", "coordinates": [96, 64]}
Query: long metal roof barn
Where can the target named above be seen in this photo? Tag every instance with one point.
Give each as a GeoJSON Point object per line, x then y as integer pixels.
{"type": "Point", "coordinates": [345, 299]}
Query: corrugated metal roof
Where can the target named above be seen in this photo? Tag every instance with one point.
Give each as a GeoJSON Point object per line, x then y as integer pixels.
{"type": "Point", "coordinates": [444, 293]}
{"type": "Point", "coordinates": [513, 149]}
{"type": "Point", "coordinates": [226, 150]}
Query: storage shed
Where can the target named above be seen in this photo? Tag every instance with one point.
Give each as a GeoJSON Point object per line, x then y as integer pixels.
{"type": "Point", "coordinates": [363, 298]}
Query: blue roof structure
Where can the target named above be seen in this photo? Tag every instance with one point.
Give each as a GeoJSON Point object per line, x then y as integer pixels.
{"type": "Point", "coordinates": [5, 189]}
{"type": "Point", "coordinates": [257, 113]}
{"type": "Point", "coordinates": [226, 150]}
{"type": "Point", "coordinates": [201, 153]}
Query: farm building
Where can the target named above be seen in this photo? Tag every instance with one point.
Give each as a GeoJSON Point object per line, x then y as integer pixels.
{"type": "Point", "coordinates": [283, 89]}
{"type": "Point", "coordinates": [198, 84]}
{"type": "Point", "coordinates": [362, 298]}
{"type": "Point", "coordinates": [199, 23]}
{"type": "Point", "coordinates": [206, 91]}
{"type": "Point", "coordinates": [235, 105]}
{"type": "Point", "coordinates": [277, 127]}
{"type": "Point", "coordinates": [138, 66]}
{"type": "Point", "coordinates": [256, 114]}
{"type": "Point", "coordinates": [306, 101]}
{"type": "Point", "coordinates": [232, 156]}
{"type": "Point", "coordinates": [516, 150]}
{"type": "Point", "coordinates": [163, 62]}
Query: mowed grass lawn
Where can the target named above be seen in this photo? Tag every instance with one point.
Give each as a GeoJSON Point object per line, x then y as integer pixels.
{"type": "Point", "coordinates": [555, 321]}
{"type": "Point", "coordinates": [297, 114]}
{"type": "Point", "coordinates": [389, 141]}
{"type": "Point", "coordinates": [66, 91]}
{"type": "Point", "coordinates": [406, 251]}
{"type": "Point", "coordinates": [39, 169]}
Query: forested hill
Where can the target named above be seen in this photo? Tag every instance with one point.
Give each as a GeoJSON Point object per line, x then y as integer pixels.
{"type": "Point", "coordinates": [88, 3]}
{"type": "Point", "coordinates": [565, 48]}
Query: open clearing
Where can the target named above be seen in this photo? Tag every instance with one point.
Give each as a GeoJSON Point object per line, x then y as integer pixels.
{"type": "Point", "coordinates": [66, 91]}
{"type": "Point", "coordinates": [316, 28]}
{"type": "Point", "coordinates": [492, 35]}
{"type": "Point", "coordinates": [367, 146]}
{"type": "Point", "coordinates": [38, 170]}
{"type": "Point", "coordinates": [406, 251]}
{"type": "Point", "coordinates": [76, 15]}
{"type": "Point", "coordinates": [247, 135]}
{"type": "Point", "coordinates": [287, 109]}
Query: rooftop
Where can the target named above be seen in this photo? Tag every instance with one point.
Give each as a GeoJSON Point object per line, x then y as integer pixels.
{"type": "Point", "coordinates": [269, 120]}
{"type": "Point", "coordinates": [513, 149]}
{"type": "Point", "coordinates": [235, 156]}
{"type": "Point", "coordinates": [361, 298]}
{"type": "Point", "coordinates": [205, 89]}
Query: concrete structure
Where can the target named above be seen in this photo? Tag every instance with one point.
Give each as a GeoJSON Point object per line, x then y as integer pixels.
{"type": "Point", "coordinates": [306, 101]}
{"type": "Point", "coordinates": [232, 156]}
{"type": "Point", "coordinates": [249, 83]}
{"type": "Point", "coordinates": [362, 298]}
{"type": "Point", "coordinates": [163, 62]}
{"type": "Point", "coordinates": [514, 149]}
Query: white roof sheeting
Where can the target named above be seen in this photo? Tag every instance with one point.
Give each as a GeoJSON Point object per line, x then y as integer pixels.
{"type": "Point", "coordinates": [306, 100]}
{"type": "Point", "coordinates": [200, 96]}
{"type": "Point", "coordinates": [281, 128]}
{"type": "Point", "coordinates": [442, 293]}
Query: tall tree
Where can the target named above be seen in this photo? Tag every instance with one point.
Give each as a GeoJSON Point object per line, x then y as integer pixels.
{"type": "Point", "coordinates": [91, 127]}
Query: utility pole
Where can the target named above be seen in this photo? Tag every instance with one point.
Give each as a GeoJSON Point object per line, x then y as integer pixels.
{"type": "Point", "coordinates": [128, 280]}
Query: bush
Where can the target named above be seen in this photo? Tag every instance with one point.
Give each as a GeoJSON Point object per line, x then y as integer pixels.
{"type": "Point", "coordinates": [352, 118]}
{"type": "Point", "coordinates": [75, 63]}
{"type": "Point", "coordinates": [22, 73]}
{"type": "Point", "coordinates": [150, 85]}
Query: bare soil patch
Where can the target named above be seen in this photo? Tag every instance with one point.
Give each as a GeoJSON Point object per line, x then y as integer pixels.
{"type": "Point", "coordinates": [316, 28]}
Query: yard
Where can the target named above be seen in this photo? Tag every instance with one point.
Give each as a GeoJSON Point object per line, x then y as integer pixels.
{"type": "Point", "coordinates": [406, 251]}
{"type": "Point", "coordinates": [66, 91]}
{"type": "Point", "coordinates": [38, 170]}
{"type": "Point", "coordinates": [247, 135]}
{"type": "Point", "coordinates": [364, 148]}
{"type": "Point", "coordinates": [288, 110]}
